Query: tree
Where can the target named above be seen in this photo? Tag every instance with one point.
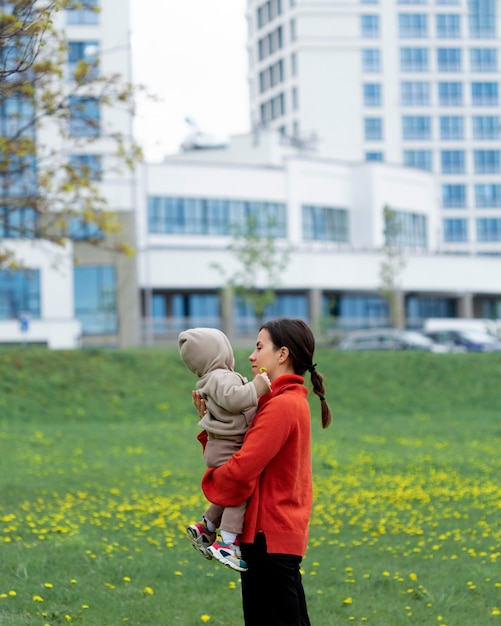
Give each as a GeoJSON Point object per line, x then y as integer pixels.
{"type": "Point", "coordinates": [392, 266]}
{"type": "Point", "coordinates": [46, 188]}
{"type": "Point", "coordinates": [259, 264]}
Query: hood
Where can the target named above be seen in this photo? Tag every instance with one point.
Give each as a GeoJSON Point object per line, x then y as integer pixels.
{"type": "Point", "coordinates": [205, 349]}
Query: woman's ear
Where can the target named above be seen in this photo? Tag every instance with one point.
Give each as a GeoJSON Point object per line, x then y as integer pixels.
{"type": "Point", "coordinates": [283, 354]}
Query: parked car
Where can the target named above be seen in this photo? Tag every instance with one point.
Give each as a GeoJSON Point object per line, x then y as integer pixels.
{"type": "Point", "coordinates": [468, 340]}
{"type": "Point", "coordinates": [389, 339]}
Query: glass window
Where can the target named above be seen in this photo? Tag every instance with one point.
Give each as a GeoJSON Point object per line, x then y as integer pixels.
{"type": "Point", "coordinates": [413, 25]}
{"type": "Point", "coordinates": [420, 159]}
{"type": "Point", "coordinates": [484, 59]}
{"type": "Point", "coordinates": [373, 128]}
{"type": "Point", "coordinates": [372, 94]}
{"type": "Point", "coordinates": [489, 229]}
{"type": "Point", "coordinates": [325, 224]}
{"type": "Point", "coordinates": [448, 26]}
{"type": "Point", "coordinates": [85, 118]}
{"type": "Point", "coordinates": [85, 52]}
{"type": "Point", "coordinates": [95, 290]}
{"type": "Point", "coordinates": [293, 64]}
{"type": "Point", "coordinates": [454, 196]}
{"type": "Point", "coordinates": [371, 60]}
{"type": "Point", "coordinates": [285, 305]}
{"type": "Point", "coordinates": [18, 223]}
{"type": "Point", "coordinates": [455, 230]}
{"type": "Point", "coordinates": [486, 161]}
{"type": "Point", "coordinates": [270, 43]}
{"type": "Point", "coordinates": [486, 126]}
{"type": "Point", "coordinates": [369, 25]}
{"type": "Point", "coordinates": [414, 59]}
{"type": "Point", "coordinates": [19, 293]}
{"type": "Point", "coordinates": [415, 93]}
{"type": "Point", "coordinates": [356, 311]}
{"type": "Point", "coordinates": [419, 308]}
{"type": "Point", "coordinates": [416, 127]}
{"type": "Point", "coordinates": [451, 127]}
{"type": "Point", "coordinates": [484, 94]}
{"type": "Point", "coordinates": [374, 156]}
{"type": "Point", "coordinates": [488, 196]}
{"type": "Point", "coordinates": [450, 94]}
{"type": "Point", "coordinates": [449, 59]}
{"type": "Point", "coordinates": [86, 14]}
{"type": "Point", "coordinates": [411, 230]}
{"type": "Point", "coordinates": [453, 161]}
{"type": "Point", "coordinates": [482, 18]}
{"type": "Point", "coordinates": [81, 230]}
{"type": "Point", "coordinates": [87, 166]}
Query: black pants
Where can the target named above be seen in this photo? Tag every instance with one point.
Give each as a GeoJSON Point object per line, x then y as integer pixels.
{"type": "Point", "coordinates": [272, 590]}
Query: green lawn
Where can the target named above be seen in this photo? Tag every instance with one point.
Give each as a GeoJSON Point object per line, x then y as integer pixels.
{"type": "Point", "coordinates": [100, 474]}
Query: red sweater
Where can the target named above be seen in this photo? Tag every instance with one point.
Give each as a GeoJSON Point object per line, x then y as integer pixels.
{"type": "Point", "coordinates": [272, 470]}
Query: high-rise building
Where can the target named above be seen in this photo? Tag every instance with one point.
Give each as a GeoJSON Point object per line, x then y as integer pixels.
{"type": "Point", "coordinates": [409, 82]}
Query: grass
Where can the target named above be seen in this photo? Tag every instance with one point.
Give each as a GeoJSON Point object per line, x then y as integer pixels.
{"type": "Point", "coordinates": [100, 474]}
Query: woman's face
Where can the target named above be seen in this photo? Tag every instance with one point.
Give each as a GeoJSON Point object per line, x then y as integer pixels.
{"type": "Point", "coordinates": [265, 355]}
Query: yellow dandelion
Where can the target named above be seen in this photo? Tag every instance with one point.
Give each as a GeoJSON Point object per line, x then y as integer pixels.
{"type": "Point", "coordinates": [348, 600]}
{"type": "Point", "coordinates": [127, 579]}
{"type": "Point", "coordinates": [37, 599]}
{"type": "Point", "coordinates": [178, 573]}
{"type": "Point", "coordinates": [495, 611]}
{"type": "Point", "coordinates": [85, 606]}
{"type": "Point", "coordinates": [413, 576]}
{"type": "Point", "coordinates": [12, 593]}
{"type": "Point", "coordinates": [148, 591]}
{"type": "Point", "coordinates": [205, 618]}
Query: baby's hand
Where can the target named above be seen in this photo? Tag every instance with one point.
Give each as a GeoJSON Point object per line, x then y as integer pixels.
{"type": "Point", "coordinates": [264, 376]}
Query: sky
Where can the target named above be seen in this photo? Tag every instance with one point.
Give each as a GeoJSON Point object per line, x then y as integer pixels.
{"type": "Point", "coordinates": [191, 54]}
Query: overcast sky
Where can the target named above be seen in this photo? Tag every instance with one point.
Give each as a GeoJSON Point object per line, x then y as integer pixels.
{"type": "Point", "coordinates": [192, 55]}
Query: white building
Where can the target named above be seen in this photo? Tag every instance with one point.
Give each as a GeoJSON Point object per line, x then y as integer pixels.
{"type": "Point", "coordinates": [331, 215]}
{"type": "Point", "coordinates": [413, 82]}
{"type": "Point", "coordinates": [76, 294]}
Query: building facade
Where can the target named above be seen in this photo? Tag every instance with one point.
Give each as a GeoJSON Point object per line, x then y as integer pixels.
{"type": "Point", "coordinates": [328, 214]}
{"type": "Point", "coordinates": [411, 82]}
{"type": "Point", "coordinates": [78, 293]}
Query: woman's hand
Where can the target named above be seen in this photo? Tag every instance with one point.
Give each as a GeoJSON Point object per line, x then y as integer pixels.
{"type": "Point", "coordinates": [199, 403]}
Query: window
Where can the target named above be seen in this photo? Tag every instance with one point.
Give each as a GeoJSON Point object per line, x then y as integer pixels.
{"type": "Point", "coordinates": [413, 25]}
{"type": "Point", "coordinates": [420, 159]}
{"type": "Point", "coordinates": [448, 26]}
{"type": "Point", "coordinates": [488, 196]}
{"type": "Point", "coordinates": [454, 196]}
{"type": "Point", "coordinates": [356, 311]}
{"type": "Point", "coordinates": [374, 156]}
{"type": "Point", "coordinates": [373, 128]}
{"type": "Point", "coordinates": [87, 14]}
{"type": "Point", "coordinates": [285, 305]}
{"type": "Point", "coordinates": [372, 94]}
{"type": "Point", "coordinates": [486, 161]}
{"type": "Point", "coordinates": [484, 59]}
{"type": "Point", "coordinates": [482, 18]}
{"type": "Point", "coordinates": [81, 230]}
{"type": "Point", "coordinates": [325, 224]}
{"type": "Point", "coordinates": [272, 109]}
{"type": "Point", "coordinates": [451, 127]}
{"type": "Point", "coordinates": [414, 59]}
{"type": "Point", "coordinates": [488, 229]}
{"type": "Point", "coordinates": [452, 161]}
{"type": "Point", "coordinates": [268, 12]}
{"type": "Point", "coordinates": [84, 117]}
{"type": "Point", "coordinates": [416, 127]}
{"type": "Point", "coordinates": [485, 126]}
{"type": "Point", "coordinates": [293, 64]}
{"type": "Point", "coordinates": [484, 94]}
{"type": "Point", "coordinates": [415, 93]}
{"type": "Point", "coordinates": [87, 166]}
{"type": "Point", "coordinates": [449, 59]}
{"type": "Point", "coordinates": [83, 52]}
{"type": "Point", "coordinates": [371, 60]}
{"type": "Point", "coordinates": [95, 289]}
{"type": "Point", "coordinates": [455, 230]}
{"type": "Point", "coordinates": [270, 43]}
{"type": "Point", "coordinates": [411, 230]}
{"type": "Point", "coordinates": [419, 308]}
{"type": "Point", "coordinates": [450, 94]}
{"type": "Point", "coordinates": [19, 293]}
{"type": "Point", "coordinates": [369, 25]}
{"type": "Point", "coordinates": [204, 216]}
{"type": "Point", "coordinates": [18, 223]}
{"type": "Point", "coordinates": [271, 76]}
{"type": "Point", "coordinates": [292, 30]}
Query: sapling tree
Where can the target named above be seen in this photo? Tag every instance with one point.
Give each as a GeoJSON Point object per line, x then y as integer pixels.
{"type": "Point", "coordinates": [392, 265]}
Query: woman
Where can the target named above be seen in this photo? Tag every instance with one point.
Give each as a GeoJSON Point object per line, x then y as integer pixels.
{"type": "Point", "coordinates": [272, 471]}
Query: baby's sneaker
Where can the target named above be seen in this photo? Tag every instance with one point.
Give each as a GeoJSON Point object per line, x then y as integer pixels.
{"type": "Point", "coordinates": [229, 554]}
{"type": "Point", "coordinates": [201, 538]}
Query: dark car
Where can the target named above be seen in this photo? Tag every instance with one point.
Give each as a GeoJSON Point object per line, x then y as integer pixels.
{"type": "Point", "coordinates": [389, 339]}
{"type": "Point", "coordinates": [468, 340]}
